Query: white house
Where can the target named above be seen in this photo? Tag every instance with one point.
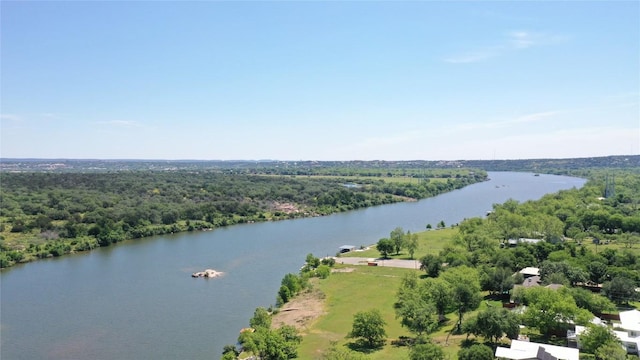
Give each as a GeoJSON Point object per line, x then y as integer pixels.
{"type": "Point", "coordinates": [524, 350]}
{"type": "Point", "coordinates": [629, 335]}
{"type": "Point", "coordinates": [515, 242]}
{"type": "Point", "coordinates": [530, 271]}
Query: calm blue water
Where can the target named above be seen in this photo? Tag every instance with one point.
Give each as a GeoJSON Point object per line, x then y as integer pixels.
{"type": "Point", "coordinates": [137, 300]}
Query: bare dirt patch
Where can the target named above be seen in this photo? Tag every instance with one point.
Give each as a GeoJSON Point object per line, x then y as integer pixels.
{"type": "Point", "coordinates": [287, 208]}
{"type": "Point", "coordinates": [343, 270]}
{"type": "Point", "coordinates": [300, 311]}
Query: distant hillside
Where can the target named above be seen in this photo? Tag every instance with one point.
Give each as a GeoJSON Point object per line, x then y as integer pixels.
{"type": "Point", "coordinates": [308, 167]}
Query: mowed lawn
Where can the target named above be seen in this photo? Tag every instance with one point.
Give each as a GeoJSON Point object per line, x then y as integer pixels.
{"type": "Point", "coordinates": [375, 287]}
{"type": "Point", "coordinates": [346, 293]}
{"type": "Point", "coordinates": [364, 288]}
{"type": "Point", "coordinates": [429, 242]}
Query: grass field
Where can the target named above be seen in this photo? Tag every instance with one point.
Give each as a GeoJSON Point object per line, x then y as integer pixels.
{"type": "Point", "coordinates": [615, 245]}
{"type": "Point", "coordinates": [429, 242]}
{"type": "Point", "coordinates": [365, 288]}
{"type": "Point", "coordinates": [346, 293]}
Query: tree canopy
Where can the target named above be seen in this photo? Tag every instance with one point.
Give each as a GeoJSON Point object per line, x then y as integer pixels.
{"type": "Point", "coordinates": [369, 326]}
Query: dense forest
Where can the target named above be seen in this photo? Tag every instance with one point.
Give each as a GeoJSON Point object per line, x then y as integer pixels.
{"type": "Point", "coordinates": [51, 213]}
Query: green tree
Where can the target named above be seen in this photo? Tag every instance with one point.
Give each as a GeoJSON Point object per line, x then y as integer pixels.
{"type": "Point", "coordinates": [611, 351]}
{"type": "Point", "coordinates": [398, 239]}
{"type": "Point", "coordinates": [261, 319]}
{"type": "Point", "coordinates": [268, 344]}
{"type": "Point", "coordinates": [473, 234]}
{"type": "Point", "coordinates": [312, 261]}
{"type": "Point", "coordinates": [292, 281]}
{"type": "Point", "coordinates": [597, 271]}
{"type": "Point", "coordinates": [494, 322]}
{"type": "Point", "coordinates": [476, 352]}
{"type": "Point", "coordinates": [431, 264]}
{"type": "Point", "coordinates": [465, 290]}
{"type": "Point", "coordinates": [412, 243]}
{"type": "Point", "coordinates": [440, 295]}
{"type": "Point", "coordinates": [230, 352]}
{"type": "Point", "coordinates": [620, 290]}
{"type": "Point", "coordinates": [549, 310]}
{"type": "Point", "coordinates": [369, 325]}
{"type": "Point", "coordinates": [323, 271]}
{"type": "Point", "coordinates": [228, 356]}
{"type": "Point", "coordinates": [416, 312]}
{"type": "Point", "coordinates": [385, 247]}
{"type": "Point", "coordinates": [497, 280]}
{"type": "Point", "coordinates": [284, 295]}
{"type": "Point", "coordinates": [595, 303]}
{"type": "Point", "coordinates": [573, 274]}
{"type": "Point", "coordinates": [596, 336]}
{"type": "Point", "coordinates": [426, 351]}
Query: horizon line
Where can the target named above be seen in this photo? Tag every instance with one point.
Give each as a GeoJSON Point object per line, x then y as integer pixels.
{"type": "Point", "coordinates": [300, 160]}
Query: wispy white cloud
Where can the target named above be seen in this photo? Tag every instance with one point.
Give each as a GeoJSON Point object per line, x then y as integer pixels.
{"type": "Point", "coordinates": [513, 41]}
{"type": "Point", "coordinates": [527, 39]}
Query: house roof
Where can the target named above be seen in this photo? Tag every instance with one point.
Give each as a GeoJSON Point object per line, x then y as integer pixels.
{"type": "Point", "coordinates": [521, 350]}
{"type": "Point", "coordinates": [531, 281]}
{"type": "Point", "coordinates": [554, 286]}
{"type": "Point", "coordinates": [523, 240]}
{"type": "Point", "coordinates": [531, 271]}
{"type": "Point", "coordinates": [623, 336]}
{"type": "Point", "coordinates": [630, 320]}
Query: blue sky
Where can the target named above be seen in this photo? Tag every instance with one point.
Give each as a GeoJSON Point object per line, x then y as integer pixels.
{"type": "Point", "coordinates": [294, 80]}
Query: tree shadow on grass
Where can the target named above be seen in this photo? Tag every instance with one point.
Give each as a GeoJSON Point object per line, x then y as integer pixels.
{"type": "Point", "coordinates": [466, 343]}
{"type": "Point", "coordinates": [498, 297]}
{"type": "Point", "coordinates": [403, 341]}
{"type": "Point", "coordinates": [364, 347]}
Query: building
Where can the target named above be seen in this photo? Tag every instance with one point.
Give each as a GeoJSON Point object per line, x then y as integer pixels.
{"type": "Point", "coordinates": [515, 242]}
{"type": "Point", "coordinates": [530, 271]}
{"type": "Point", "coordinates": [629, 333]}
{"type": "Point", "coordinates": [524, 350]}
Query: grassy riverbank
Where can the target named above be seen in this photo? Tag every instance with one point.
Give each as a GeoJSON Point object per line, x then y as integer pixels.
{"type": "Point", "coordinates": [351, 289]}
{"type": "Point", "coordinates": [429, 242]}
{"type": "Point", "coordinates": [365, 288]}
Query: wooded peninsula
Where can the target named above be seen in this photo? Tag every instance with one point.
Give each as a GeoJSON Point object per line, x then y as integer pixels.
{"type": "Point", "coordinates": [53, 208]}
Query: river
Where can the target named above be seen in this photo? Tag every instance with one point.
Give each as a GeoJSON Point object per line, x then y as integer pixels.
{"type": "Point", "coordinates": [137, 300]}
